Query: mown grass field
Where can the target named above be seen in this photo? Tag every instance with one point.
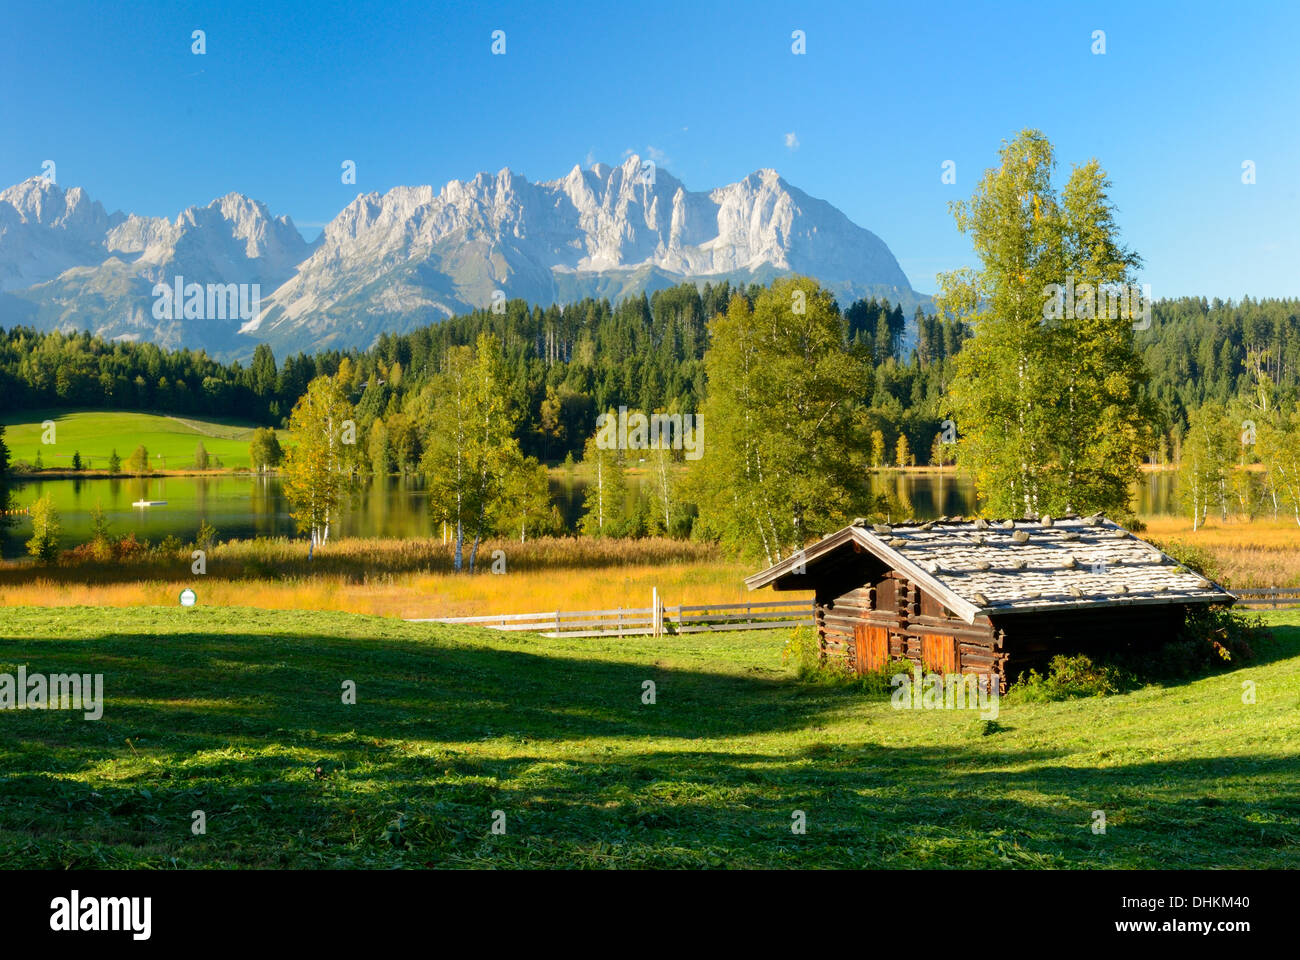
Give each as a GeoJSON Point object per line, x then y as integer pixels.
{"type": "Point", "coordinates": [171, 441]}
{"type": "Point", "coordinates": [238, 712]}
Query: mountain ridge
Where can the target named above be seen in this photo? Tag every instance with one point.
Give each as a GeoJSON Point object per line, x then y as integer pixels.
{"type": "Point", "coordinates": [388, 262]}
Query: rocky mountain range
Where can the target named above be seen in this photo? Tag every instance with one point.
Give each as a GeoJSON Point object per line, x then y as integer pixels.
{"type": "Point", "coordinates": [413, 255]}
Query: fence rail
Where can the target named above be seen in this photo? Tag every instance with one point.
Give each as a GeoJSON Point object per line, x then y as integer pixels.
{"type": "Point", "coordinates": [1271, 597]}
{"type": "Point", "coordinates": [637, 621]}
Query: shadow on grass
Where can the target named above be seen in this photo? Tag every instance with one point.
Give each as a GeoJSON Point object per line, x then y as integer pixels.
{"type": "Point", "coordinates": [864, 806]}
{"type": "Point", "coordinates": [252, 731]}
{"type": "Point", "coordinates": [203, 688]}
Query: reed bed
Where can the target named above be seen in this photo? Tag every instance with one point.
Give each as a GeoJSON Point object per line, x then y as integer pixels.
{"type": "Point", "coordinates": [415, 578]}
{"type": "Point", "coordinates": [1250, 553]}
{"type": "Point", "coordinates": [404, 578]}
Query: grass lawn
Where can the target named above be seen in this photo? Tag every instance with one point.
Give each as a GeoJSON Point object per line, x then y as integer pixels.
{"type": "Point", "coordinates": [232, 711]}
{"type": "Point", "coordinates": [171, 441]}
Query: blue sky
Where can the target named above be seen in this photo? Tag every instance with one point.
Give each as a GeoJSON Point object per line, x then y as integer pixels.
{"type": "Point", "coordinates": [1184, 94]}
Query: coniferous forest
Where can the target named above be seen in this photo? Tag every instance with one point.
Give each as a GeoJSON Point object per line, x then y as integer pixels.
{"type": "Point", "coordinates": [567, 364]}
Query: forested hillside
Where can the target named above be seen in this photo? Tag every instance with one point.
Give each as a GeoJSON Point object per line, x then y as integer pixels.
{"type": "Point", "coordinates": [569, 363]}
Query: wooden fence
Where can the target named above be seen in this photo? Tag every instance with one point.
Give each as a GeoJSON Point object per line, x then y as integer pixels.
{"type": "Point", "coordinates": [1270, 597]}
{"type": "Point", "coordinates": [655, 620]}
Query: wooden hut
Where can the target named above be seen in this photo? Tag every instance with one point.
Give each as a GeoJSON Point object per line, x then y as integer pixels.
{"type": "Point", "coordinates": [989, 597]}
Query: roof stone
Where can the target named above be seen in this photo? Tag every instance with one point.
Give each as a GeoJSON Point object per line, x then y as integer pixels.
{"type": "Point", "coordinates": [1035, 564]}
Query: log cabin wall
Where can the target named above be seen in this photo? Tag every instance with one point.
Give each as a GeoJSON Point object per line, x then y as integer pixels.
{"type": "Point", "coordinates": [886, 616]}
{"type": "Point", "coordinates": [1032, 639]}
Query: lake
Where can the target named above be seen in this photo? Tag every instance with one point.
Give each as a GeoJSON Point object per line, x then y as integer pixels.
{"type": "Point", "coordinates": [241, 506]}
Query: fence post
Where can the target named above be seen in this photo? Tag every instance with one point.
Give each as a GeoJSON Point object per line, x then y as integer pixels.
{"type": "Point", "coordinates": [656, 626]}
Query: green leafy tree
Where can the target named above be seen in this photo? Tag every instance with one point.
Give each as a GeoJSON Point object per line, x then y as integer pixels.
{"type": "Point", "coordinates": [903, 451]}
{"type": "Point", "coordinates": [1279, 451]}
{"type": "Point", "coordinates": [264, 451]}
{"type": "Point", "coordinates": [664, 493]}
{"type": "Point", "coordinates": [200, 457]}
{"type": "Point", "coordinates": [5, 494]}
{"type": "Point", "coordinates": [470, 444]}
{"type": "Point", "coordinates": [446, 406]}
{"type": "Point", "coordinates": [605, 500]}
{"type": "Point", "coordinates": [377, 448]}
{"type": "Point", "coordinates": [320, 467]}
{"type": "Point", "coordinates": [138, 463]}
{"type": "Point", "coordinates": [877, 448]}
{"type": "Point", "coordinates": [76, 459]}
{"type": "Point", "coordinates": [525, 505]}
{"type": "Point", "coordinates": [101, 541]}
{"type": "Point", "coordinates": [781, 464]}
{"type": "Point", "coordinates": [114, 462]}
{"type": "Point", "coordinates": [1050, 400]}
{"type": "Point", "coordinates": [44, 543]}
{"type": "Point", "coordinates": [1206, 460]}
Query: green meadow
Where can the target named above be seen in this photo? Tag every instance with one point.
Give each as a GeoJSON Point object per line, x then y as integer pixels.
{"type": "Point", "coordinates": [171, 441]}
{"type": "Point", "coordinates": [239, 713]}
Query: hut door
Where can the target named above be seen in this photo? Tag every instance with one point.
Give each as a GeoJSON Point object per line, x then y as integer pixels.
{"type": "Point", "coordinates": [871, 647]}
{"type": "Point", "coordinates": [939, 653]}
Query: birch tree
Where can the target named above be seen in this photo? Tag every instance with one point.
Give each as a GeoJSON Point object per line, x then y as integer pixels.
{"type": "Point", "coordinates": [321, 466]}
{"type": "Point", "coordinates": [1206, 460]}
{"type": "Point", "coordinates": [470, 448]}
{"type": "Point", "coordinates": [781, 464]}
{"type": "Point", "coordinates": [1048, 399]}
{"type": "Point", "coordinates": [1279, 450]}
{"type": "Point", "coordinates": [525, 506]}
{"type": "Point", "coordinates": [448, 403]}
{"type": "Point", "coordinates": [603, 505]}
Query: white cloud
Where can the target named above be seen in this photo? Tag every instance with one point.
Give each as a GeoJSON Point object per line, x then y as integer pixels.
{"type": "Point", "coordinates": [791, 142]}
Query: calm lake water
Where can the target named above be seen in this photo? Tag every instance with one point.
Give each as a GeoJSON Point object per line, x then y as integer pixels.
{"type": "Point", "coordinates": [244, 507]}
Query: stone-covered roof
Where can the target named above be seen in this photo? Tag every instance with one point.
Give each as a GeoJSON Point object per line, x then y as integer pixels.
{"type": "Point", "coordinates": [995, 567]}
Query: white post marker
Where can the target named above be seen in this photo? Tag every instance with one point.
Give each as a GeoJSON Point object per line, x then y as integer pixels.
{"type": "Point", "coordinates": [188, 597]}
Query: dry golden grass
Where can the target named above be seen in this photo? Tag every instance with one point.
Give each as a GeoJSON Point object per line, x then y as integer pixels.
{"type": "Point", "coordinates": [1250, 553]}
{"type": "Point", "coordinates": [414, 578]}
{"type": "Point", "coordinates": [402, 578]}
